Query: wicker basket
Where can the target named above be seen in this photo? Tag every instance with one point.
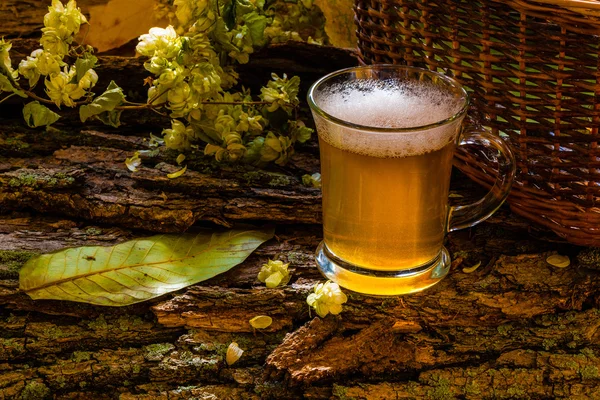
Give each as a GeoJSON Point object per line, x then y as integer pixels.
{"type": "Point", "coordinates": [534, 71]}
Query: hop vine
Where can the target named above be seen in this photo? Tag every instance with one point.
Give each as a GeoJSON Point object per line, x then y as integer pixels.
{"type": "Point", "coordinates": [192, 65]}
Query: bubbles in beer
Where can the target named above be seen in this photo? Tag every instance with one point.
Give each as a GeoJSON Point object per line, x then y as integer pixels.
{"type": "Point", "coordinates": [388, 104]}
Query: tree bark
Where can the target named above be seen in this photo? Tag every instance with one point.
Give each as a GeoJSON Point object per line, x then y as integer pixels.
{"type": "Point", "coordinates": [516, 327]}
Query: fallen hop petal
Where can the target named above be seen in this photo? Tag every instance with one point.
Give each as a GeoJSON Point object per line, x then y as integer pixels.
{"type": "Point", "coordinates": [233, 353]}
{"type": "Point", "coordinates": [313, 180]}
{"type": "Point", "coordinates": [261, 322]}
{"type": "Point", "coordinates": [274, 273]}
{"type": "Point", "coordinates": [468, 270]}
{"type": "Point", "coordinates": [177, 174]}
{"type": "Point", "coordinates": [327, 298]}
{"type": "Point", "coordinates": [180, 158]}
{"type": "Point", "coordinates": [133, 162]}
{"type": "Point", "coordinates": [558, 261]}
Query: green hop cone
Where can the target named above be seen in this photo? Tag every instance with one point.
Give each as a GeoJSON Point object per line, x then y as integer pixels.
{"type": "Point", "coordinates": [274, 274]}
{"type": "Point", "coordinates": [178, 137]}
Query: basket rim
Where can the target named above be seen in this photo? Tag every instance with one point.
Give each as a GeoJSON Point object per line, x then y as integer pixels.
{"type": "Point", "coordinates": [583, 4]}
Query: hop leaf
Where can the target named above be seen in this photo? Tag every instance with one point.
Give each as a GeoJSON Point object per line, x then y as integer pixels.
{"type": "Point", "coordinates": [106, 102]}
{"type": "Point", "coordinates": [7, 86]}
{"type": "Point", "coordinates": [281, 93]}
{"type": "Point", "coordinates": [5, 63]}
{"type": "Point", "coordinates": [274, 273]}
{"type": "Point", "coordinates": [327, 298]}
{"type": "Point", "coordinates": [83, 66]}
{"type": "Point", "coordinates": [300, 132]}
{"type": "Point", "coordinates": [36, 114]}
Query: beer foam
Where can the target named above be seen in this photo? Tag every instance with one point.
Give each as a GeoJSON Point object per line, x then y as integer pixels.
{"type": "Point", "coordinates": [388, 104]}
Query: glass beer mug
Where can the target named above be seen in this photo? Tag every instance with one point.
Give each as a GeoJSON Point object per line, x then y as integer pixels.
{"type": "Point", "coordinates": [387, 136]}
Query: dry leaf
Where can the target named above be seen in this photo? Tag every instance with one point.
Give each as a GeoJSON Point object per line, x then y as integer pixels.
{"type": "Point", "coordinates": [339, 24]}
{"type": "Point", "coordinates": [261, 322]}
{"type": "Point", "coordinates": [115, 23]}
{"type": "Point", "coordinates": [233, 353]}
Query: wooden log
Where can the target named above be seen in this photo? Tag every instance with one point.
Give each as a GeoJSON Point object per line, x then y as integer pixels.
{"type": "Point", "coordinates": [515, 328]}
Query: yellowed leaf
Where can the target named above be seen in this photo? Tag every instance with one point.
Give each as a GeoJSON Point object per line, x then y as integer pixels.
{"type": "Point", "coordinates": [339, 24]}
{"type": "Point", "coordinates": [115, 23]}
{"type": "Point", "coordinates": [233, 353]}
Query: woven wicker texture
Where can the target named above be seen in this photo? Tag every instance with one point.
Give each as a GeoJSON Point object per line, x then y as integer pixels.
{"type": "Point", "coordinates": [534, 72]}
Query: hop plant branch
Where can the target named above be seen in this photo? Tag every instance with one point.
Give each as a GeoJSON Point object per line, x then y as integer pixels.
{"type": "Point", "coordinates": [193, 66]}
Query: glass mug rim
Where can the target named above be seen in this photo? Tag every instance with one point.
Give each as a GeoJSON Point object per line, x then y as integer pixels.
{"type": "Point", "coordinates": [392, 67]}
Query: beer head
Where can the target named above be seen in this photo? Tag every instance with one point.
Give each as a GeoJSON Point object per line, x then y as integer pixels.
{"type": "Point", "coordinates": [392, 117]}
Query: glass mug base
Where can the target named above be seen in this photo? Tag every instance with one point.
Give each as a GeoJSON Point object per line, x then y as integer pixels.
{"type": "Point", "coordinates": [382, 283]}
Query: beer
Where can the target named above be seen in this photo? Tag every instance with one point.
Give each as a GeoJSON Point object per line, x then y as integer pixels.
{"type": "Point", "coordinates": [385, 213]}
{"type": "Point", "coordinates": [385, 195]}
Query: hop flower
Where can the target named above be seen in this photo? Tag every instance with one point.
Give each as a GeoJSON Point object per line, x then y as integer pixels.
{"type": "Point", "coordinates": [178, 137]}
{"type": "Point", "coordinates": [157, 65]}
{"type": "Point", "coordinates": [52, 42]}
{"type": "Point", "coordinates": [219, 152]}
{"type": "Point", "coordinates": [160, 42]}
{"type": "Point", "coordinates": [313, 180]}
{"type": "Point", "coordinates": [155, 91]}
{"type": "Point", "coordinates": [60, 91]}
{"type": "Point", "coordinates": [48, 63]}
{"type": "Point", "coordinates": [205, 80]}
{"type": "Point", "coordinates": [274, 273]}
{"type": "Point", "coordinates": [242, 41]}
{"type": "Point", "coordinates": [88, 80]}
{"type": "Point", "coordinates": [40, 62]}
{"type": "Point", "coordinates": [250, 124]}
{"type": "Point", "coordinates": [171, 76]}
{"type": "Point", "coordinates": [187, 8]}
{"type": "Point", "coordinates": [327, 298]}
{"type": "Point", "coordinates": [278, 149]}
{"type": "Point", "coordinates": [182, 100]}
{"type": "Point", "coordinates": [65, 20]}
{"type": "Point", "coordinates": [224, 123]}
{"type": "Point", "coordinates": [133, 162]}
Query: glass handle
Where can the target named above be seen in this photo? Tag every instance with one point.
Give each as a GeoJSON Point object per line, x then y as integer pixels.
{"type": "Point", "coordinates": [468, 215]}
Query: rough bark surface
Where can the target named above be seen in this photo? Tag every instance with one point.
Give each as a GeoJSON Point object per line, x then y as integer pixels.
{"type": "Point", "coordinates": [516, 327]}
